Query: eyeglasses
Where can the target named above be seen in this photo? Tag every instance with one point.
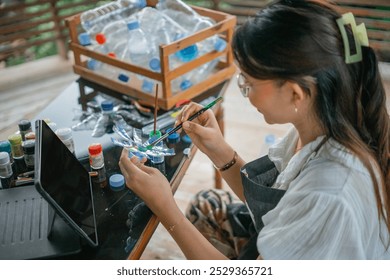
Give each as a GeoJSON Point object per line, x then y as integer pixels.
{"type": "Point", "coordinates": [243, 85]}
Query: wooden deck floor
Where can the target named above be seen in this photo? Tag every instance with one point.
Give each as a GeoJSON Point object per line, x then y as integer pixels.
{"type": "Point", "coordinates": [27, 89]}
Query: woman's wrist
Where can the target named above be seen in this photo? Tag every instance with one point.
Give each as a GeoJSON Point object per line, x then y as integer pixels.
{"type": "Point", "coordinates": [222, 156]}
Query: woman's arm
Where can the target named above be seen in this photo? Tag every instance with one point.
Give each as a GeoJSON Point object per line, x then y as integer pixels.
{"type": "Point", "coordinates": [205, 133]}
{"type": "Point", "coordinates": [154, 189]}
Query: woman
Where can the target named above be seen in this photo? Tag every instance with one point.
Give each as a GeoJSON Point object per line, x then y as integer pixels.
{"type": "Point", "coordinates": [331, 185]}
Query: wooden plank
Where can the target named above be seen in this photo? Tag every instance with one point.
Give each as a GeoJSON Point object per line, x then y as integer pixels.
{"type": "Point", "coordinates": [383, 3]}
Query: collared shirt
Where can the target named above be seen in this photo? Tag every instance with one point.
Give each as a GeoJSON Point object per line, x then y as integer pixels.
{"type": "Point", "coordinates": [329, 210]}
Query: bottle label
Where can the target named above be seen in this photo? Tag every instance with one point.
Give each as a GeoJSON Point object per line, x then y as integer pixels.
{"type": "Point", "coordinates": [96, 162]}
{"type": "Point", "coordinates": [30, 160]}
{"type": "Point", "coordinates": [17, 151]}
{"type": "Point", "coordinates": [5, 170]}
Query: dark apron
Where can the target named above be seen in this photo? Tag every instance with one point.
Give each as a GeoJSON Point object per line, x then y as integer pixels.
{"type": "Point", "coordinates": [258, 178]}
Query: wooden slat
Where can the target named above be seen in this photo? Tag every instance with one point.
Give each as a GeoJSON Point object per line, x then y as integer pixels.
{"type": "Point", "coordinates": [382, 3]}
{"type": "Point", "coordinates": [17, 27]}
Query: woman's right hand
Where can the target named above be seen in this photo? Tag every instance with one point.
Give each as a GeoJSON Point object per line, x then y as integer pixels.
{"type": "Point", "coordinates": [204, 131]}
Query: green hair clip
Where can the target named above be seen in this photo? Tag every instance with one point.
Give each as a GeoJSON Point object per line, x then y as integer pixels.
{"type": "Point", "coordinates": [360, 37]}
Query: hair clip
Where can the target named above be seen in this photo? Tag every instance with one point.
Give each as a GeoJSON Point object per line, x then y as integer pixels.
{"type": "Point", "coordinates": [359, 34]}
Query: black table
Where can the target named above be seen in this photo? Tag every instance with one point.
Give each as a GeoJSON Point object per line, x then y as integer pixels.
{"type": "Point", "coordinates": [120, 235]}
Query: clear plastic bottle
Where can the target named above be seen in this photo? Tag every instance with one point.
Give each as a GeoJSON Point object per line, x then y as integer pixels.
{"type": "Point", "coordinates": [65, 134]}
{"type": "Point", "coordinates": [6, 174]}
{"type": "Point", "coordinates": [93, 21]}
{"type": "Point", "coordinates": [180, 12]}
{"type": "Point", "coordinates": [269, 140]}
{"type": "Point", "coordinates": [157, 161]}
{"type": "Point", "coordinates": [96, 162]}
{"type": "Point", "coordinates": [105, 122]}
{"type": "Point", "coordinates": [115, 32]}
{"type": "Point", "coordinates": [139, 49]}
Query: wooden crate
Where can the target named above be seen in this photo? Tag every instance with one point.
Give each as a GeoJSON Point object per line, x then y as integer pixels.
{"type": "Point", "coordinates": [224, 27]}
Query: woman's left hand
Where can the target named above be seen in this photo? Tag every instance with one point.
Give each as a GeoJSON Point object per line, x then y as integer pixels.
{"type": "Point", "coordinates": [147, 182]}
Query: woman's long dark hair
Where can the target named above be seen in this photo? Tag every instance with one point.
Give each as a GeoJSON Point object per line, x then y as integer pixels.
{"type": "Point", "coordinates": [292, 39]}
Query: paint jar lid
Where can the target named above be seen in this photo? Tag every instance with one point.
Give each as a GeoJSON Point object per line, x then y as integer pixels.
{"type": "Point", "coordinates": [4, 158]}
{"type": "Point", "coordinates": [117, 182]}
{"type": "Point", "coordinates": [95, 149]}
{"type": "Point", "coordinates": [64, 133]}
{"type": "Point", "coordinates": [15, 139]}
{"type": "Point", "coordinates": [174, 138]}
{"type": "Point", "coordinates": [29, 147]}
{"type": "Point", "coordinates": [5, 146]}
{"type": "Point", "coordinates": [24, 125]}
{"type": "Point", "coordinates": [186, 139]}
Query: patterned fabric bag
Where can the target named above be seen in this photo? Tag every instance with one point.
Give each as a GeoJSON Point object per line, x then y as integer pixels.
{"type": "Point", "coordinates": [224, 222]}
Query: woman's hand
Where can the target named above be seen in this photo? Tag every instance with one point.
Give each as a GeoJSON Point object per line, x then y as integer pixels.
{"type": "Point", "coordinates": [204, 131]}
{"type": "Point", "coordinates": [147, 182]}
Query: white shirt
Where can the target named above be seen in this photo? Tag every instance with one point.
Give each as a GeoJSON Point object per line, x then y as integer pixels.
{"type": "Point", "coordinates": [329, 210]}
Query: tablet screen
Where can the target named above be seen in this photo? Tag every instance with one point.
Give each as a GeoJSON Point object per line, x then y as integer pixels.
{"type": "Point", "coordinates": [64, 182]}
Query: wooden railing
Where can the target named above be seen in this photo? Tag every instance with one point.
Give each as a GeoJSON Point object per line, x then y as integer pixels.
{"type": "Point", "coordinates": [27, 24]}
{"type": "Point", "coordinates": [374, 13]}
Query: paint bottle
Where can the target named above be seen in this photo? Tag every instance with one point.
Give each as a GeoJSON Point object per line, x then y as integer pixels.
{"type": "Point", "coordinates": [17, 153]}
{"type": "Point", "coordinates": [96, 161]}
{"type": "Point", "coordinates": [29, 154]}
{"type": "Point", "coordinates": [5, 146]}
{"type": "Point", "coordinates": [65, 134]}
{"type": "Point", "coordinates": [24, 128]}
{"type": "Point", "coordinates": [157, 161]}
{"type": "Point", "coordinates": [6, 175]}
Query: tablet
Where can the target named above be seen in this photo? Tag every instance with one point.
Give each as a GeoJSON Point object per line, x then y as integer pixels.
{"type": "Point", "coordinates": [64, 183]}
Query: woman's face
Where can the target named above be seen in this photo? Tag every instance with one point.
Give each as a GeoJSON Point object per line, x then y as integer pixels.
{"type": "Point", "coordinates": [273, 100]}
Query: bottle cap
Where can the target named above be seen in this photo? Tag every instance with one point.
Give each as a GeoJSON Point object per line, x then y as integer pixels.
{"type": "Point", "coordinates": [133, 25]}
{"type": "Point", "coordinates": [100, 38]}
{"type": "Point", "coordinates": [84, 39]}
{"type": "Point", "coordinates": [155, 135]}
{"type": "Point", "coordinates": [220, 44]}
{"type": "Point", "coordinates": [24, 125]}
{"type": "Point", "coordinates": [29, 147]}
{"type": "Point", "coordinates": [123, 78]}
{"type": "Point", "coordinates": [186, 139]}
{"type": "Point", "coordinates": [107, 105]}
{"type": "Point", "coordinates": [5, 146]}
{"type": "Point", "coordinates": [4, 158]}
{"type": "Point", "coordinates": [15, 139]}
{"type": "Point", "coordinates": [30, 136]}
{"type": "Point", "coordinates": [64, 133]}
{"type": "Point", "coordinates": [52, 125]}
{"type": "Point", "coordinates": [187, 54]}
{"type": "Point", "coordinates": [92, 64]}
{"type": "Point", "coordinates": [147, 86]}
{"type": "Point", "coordinates": [155, 64]}
{"type": "Point", "coordinates": [270, 139]}
{"type": "Point", "coordinates": [140, 4]}
{"type": "Point", "coordinates": [186, 84]}
{"type": "Point", "coordinates": [117, 182]}
{"type": "Point", "coordinates": [174, 138]}
{"type": "Point", "coordinates": [95, 149]}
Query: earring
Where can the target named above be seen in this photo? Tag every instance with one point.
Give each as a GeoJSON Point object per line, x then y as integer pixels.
{"type": "Point", "coordinates": [296, 110]}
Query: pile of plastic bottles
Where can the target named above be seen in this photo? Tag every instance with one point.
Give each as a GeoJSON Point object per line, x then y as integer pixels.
{"type": "Point", "coordinates": [132, 32]}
